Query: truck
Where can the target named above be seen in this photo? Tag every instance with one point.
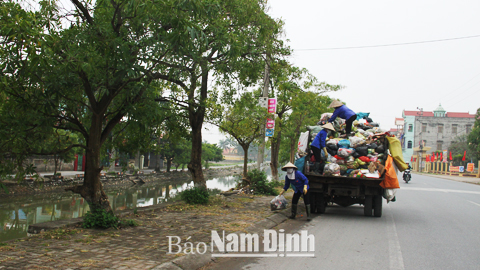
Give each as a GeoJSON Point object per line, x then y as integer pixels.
{"type": "Point", "coordinates": [344, 191]}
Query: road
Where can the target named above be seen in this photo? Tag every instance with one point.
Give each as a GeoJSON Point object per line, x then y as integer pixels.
{"type": "Point", "coordinates": [434, 224]}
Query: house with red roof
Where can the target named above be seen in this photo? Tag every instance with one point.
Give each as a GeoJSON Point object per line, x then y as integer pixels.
{"type": "Point", "coordinates": [436, 129]}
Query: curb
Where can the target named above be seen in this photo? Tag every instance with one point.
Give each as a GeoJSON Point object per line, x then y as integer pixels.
{"type": "Point", "coordinates": [196, 261]}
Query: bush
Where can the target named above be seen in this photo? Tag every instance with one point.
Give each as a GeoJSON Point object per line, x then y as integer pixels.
{"type": "Point", "coordinates": [99, 218]}
{"type": "Point", "coordinates": [259, 183]}
{"type": "Point", "coordinates": [195, 195]}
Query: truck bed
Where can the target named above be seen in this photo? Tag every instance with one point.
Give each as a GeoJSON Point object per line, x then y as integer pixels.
{"type": "Point", "coordinates": [341, 180]}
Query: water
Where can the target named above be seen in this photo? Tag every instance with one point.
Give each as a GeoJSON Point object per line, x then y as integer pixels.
{"type": "Point", "coordinates": [16, 214]}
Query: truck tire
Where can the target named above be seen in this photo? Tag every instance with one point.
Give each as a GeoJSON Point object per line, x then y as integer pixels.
{"type": "Point", "coordinates": [367, 206]}
{"type": "Point", "coordinates": [320, 203]}
{"type": "Point", "coordinates": [377, 205]}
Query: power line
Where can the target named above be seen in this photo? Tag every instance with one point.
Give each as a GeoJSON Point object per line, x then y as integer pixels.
{"type": "Point", "coordinates": [388, 45]}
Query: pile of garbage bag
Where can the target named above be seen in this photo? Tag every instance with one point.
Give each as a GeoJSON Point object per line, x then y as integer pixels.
{"type": "Point", "coordinates": [361, 154]}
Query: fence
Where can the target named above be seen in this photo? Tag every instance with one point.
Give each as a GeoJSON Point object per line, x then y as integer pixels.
{"type": "Point", "coordinates": [447, 168]}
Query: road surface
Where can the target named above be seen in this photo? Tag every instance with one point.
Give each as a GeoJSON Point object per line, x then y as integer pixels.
{"type": "Point", "coordinates": [434, 224]}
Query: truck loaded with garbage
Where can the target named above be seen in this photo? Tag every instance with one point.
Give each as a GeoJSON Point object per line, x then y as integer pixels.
{"type": "Point", "coordinates": [360, 168]}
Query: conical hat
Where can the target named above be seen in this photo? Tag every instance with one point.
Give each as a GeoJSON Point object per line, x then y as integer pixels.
{"type": "Point", "coordinates": [289, 165]}
{"type": "Point", "coordinates": [329, 126]}
{"type": "Point", "coordinates": [335, 103]}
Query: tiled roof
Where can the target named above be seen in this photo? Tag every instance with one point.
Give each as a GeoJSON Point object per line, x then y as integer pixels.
{"type": "Point", "coordinates": [417, 113]}
{"type": "Point", "coordinates": [459, 115]}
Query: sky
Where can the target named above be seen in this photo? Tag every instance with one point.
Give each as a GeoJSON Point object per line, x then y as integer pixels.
{"type": "Point", "coordinates": [385, 80]}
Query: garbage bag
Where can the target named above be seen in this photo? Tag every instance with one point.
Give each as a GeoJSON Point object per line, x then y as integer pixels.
{"type": "Point", "coordinates": [331, 159]}
{"type": "Point", "coordinates": [391, 180]}
{"type": "Point", "coordinates": [331, 151]}
{"type": "Point", "coordinates": [300, 163]}
{"type": "Point", "coordinates": [331, 169]}
{"type": "Point", "coordinates": [278, 203]}
{"type": "Point", "coordinates": [303, 141]}
{"type": "Point", "coordinates": [380, 149]}
{"type": "Point", "coordinates": [344, 152]}
{"type": "Point", "coordinates": [362, 150]}
{"type": "Point", "coordinates": [395, 148]}
{"type": "Point", "coordinates": [344, 144]}
{"type": "Point", "coordinates": [356, 141]}
{"type": "Point", "coordinates": [333, 142]}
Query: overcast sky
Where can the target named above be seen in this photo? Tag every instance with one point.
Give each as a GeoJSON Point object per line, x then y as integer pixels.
{"type": "Point", "coordinates": [388, 79]}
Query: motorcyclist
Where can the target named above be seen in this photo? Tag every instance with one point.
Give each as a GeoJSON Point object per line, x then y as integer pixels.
{"type": "Point", "coordinates": [407, 171]}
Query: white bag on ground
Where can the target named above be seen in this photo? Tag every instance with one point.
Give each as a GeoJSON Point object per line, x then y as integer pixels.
{"type": "Point", "coordinates": [278, 203]}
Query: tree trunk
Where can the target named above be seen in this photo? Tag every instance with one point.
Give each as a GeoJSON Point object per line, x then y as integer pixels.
{"type": "Point", "coordinates": [245, 160]}
{"type": "Point", "coordinates": [169, 164]}
{"type": "Point", "coordinates": [292, 149]}
{"type": "Point", "coordinates": [195, 165]}
{"type": "Point", "coordinates": [55, 161]}
{"type": "Point", "coordinates": [196, 115]}
{"type": "Point", "coordinates": [275, 150]}
{"type": "Point", "coordinates": [92, 189]}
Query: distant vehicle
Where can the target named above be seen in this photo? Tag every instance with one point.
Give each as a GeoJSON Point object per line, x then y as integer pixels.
{"type": "Point", "coordinates": [407, 176]}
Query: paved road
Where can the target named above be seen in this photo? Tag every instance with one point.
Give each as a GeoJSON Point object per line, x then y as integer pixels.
{"type": "Point", "coordinates": [435, 224]}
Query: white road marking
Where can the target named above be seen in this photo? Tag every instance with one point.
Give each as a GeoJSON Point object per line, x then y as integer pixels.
{"type": "Point", "coordinates": [477, 204]}
{"type": "Point", "coordinates": [394, 250]}
{"type": "Point", "coordinates": [442, 190]}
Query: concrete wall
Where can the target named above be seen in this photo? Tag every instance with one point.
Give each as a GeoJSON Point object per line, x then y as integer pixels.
{"type": "Point", "coordinates": [409, 136]}
{"type": "Point", "coordinates": [447, 136]}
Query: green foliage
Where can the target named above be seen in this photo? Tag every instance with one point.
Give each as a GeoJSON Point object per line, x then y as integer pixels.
{"type": "Point", "coordinates": [99, 218]}
{"type": "Point", "coordinates": [474, 137]}
{"type": "Point", "coordinates": [259, 183]}
{"type": "Point", "coordinates": [195, 195]}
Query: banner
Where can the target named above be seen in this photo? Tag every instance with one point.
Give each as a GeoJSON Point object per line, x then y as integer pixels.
{"type": "Point", "coordinates": [470, 167]}
{"type": "Point", "coordinates": [272, 108]}
{"type": "Point", "coordinates": [444, 156]}
{"type": "Point", "coordinates": [460, 169]}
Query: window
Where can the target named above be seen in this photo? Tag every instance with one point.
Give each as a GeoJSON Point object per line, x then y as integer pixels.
{"type": "Point", "coordinates": [468, 128]}
{"type": "Point", "coordinates": [440, 128]}
{"type": "Point", "coordinates": [439, 145]}
{"type": "Point", "coordinates": [454, 128]}
{"type": "Point", "coordinates": [424, 127]}
{"type": "Point", "coordinates": [410, 128]}
{"type": "Point", "coordinates": [409, 145]}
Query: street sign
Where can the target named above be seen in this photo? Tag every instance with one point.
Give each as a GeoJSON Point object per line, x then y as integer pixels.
{"type": "Point", "coordinates": [269, 132]}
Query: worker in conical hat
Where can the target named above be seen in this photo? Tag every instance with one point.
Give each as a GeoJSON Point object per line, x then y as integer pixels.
{"type": "Point", "coordinates": [300, 186]}
{"type": "Point", "coordinates": [318, 144]}
{"type": "Point", "coordinates": [343, 112]}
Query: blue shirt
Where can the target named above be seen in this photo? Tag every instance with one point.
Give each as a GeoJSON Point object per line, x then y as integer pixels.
{"type": "Point", "coordinates": [299, 181]}
{"type": "Point", "coordinates": [343, 112]}
{"type": "Point", "coordinates": [320, 139]}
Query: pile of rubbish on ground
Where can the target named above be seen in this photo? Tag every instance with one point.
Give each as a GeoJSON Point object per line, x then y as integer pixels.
{"type": "Point", "coordinates": [360, 154]}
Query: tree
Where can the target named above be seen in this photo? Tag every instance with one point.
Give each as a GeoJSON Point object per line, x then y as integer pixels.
{"type": "Point", "coordinates": [83, 71]}
{"type": "Point", "coordinates": [309, 107]}
{"type": "Point", "coordinates": [223, 40]}
{"type": "Point", "coordinates": [211, 152]}
{"type": "Point", "coordinates": [474, 137]}
{"type": "Point", "coordinates": [290, 85]}
{"type": "Point", "coordinates": [243, 121]}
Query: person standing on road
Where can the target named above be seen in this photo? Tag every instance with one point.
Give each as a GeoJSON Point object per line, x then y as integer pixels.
{"type": "Point", "coordinates": [300, 186]}
{"type": "Point", "coordinates": [343, 112]}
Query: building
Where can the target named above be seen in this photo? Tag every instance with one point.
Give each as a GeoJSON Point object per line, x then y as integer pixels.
{"type": "Point", "coordinates": [437, 129]}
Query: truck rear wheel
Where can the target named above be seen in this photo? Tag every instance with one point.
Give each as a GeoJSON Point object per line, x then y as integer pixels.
{"type": "Point", "coordinates": [377, 205]}
{"type": "Point", "coordinates": [367, 206]}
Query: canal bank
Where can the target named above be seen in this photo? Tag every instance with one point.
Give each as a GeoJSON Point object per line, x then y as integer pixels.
{"type": "Point", "coordinates": [21, 209]}
{"type": "Point", "coordinates": [145, 246]}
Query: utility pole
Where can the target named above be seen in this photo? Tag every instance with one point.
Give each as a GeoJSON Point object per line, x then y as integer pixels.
{"type": "Point", "coordinates": [266, 85]}
{"type": "Point", "coordinates": [420, 143]}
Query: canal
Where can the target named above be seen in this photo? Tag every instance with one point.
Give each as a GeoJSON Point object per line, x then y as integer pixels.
{"type": "Point", "coordinates": [17, 213]}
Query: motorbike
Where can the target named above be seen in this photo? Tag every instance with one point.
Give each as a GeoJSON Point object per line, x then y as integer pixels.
{"type": "Point", "coordinates": [407, 176]}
